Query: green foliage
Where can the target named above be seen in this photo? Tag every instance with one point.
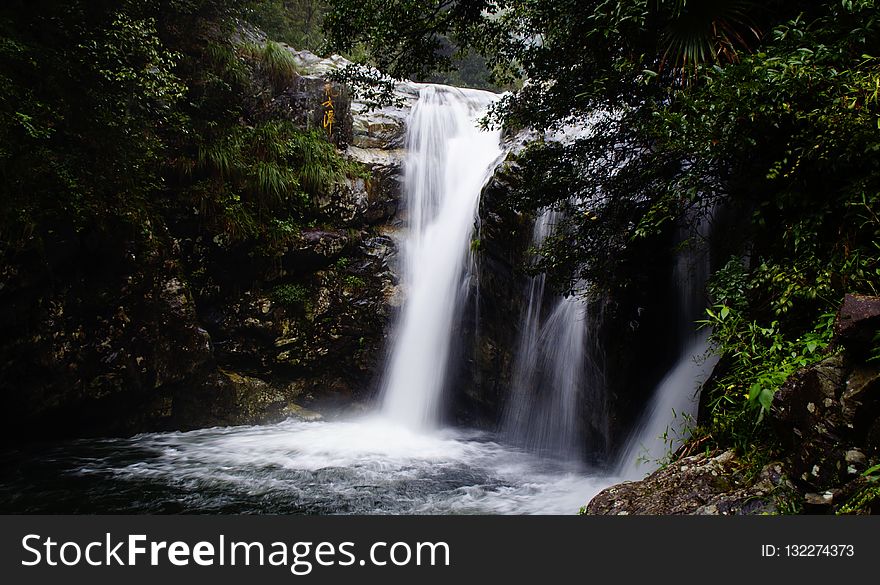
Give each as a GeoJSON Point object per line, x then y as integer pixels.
{"type": "Point", "coordinates": [274, 61]}
{"type": "Point", "coordinates": [707, 31]}
{"type": "Point", "coordinates": [87, 97]}
{"type": "Point", "coordinates": [271, 170]}
{"type": "Point", "coordinates": [729, 284]}
{"type": "Point", "coordinates": [290, 295]}
{"type": "Point", "coordinates": [801, 118]}
{"type": "Point", "coordinates": [353, 282]}
{"type": "Point", "coordinates": [441, 41]}
{"type": "Point", "coordinates": [142, 112]}
{"type": "Point", "coordinates": [867, 496]}
{"type": "Point", "coordinates": [131, 58]}
{"type": "Point", "coordinates": [861, 500]}
{"type": "Point", "coordinates": [296, 22]}
{"type": "Point", "coordinates": [408, 34]}
{"type": "Point", "coordinates": [761, 357]}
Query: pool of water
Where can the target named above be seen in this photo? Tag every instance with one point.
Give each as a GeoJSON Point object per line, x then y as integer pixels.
{"type": "Point", "coordinates": [365, 466]}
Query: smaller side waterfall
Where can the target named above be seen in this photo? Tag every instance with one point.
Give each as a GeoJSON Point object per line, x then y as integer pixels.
{"type": "Point", "coordinates": [554, 373]}
{"type": "Point", "coordinates": [665, 424]}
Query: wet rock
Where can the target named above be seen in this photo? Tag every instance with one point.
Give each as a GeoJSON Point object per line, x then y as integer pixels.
{"type": "Point", "coordinates": [858, 320]}
{"type": "Point", "coordinates": [228, 398]}
{"type": "Point", "coordinates": [317, 246]}
{"type": "Point", "coordinates": [823, 499]}
{"type": "Point", "coordinates": [500, 242]}
{"type": "Point", "coordinates": [305, 103]}
{"type": "Point", "coordinates": [298, 412]}
{"type": "Point", "coordinates": [825, 413]}
{"type": "Point", "coordinates": [699, 485]}
{"type": "Point", "coordinates": [856, 457]}
{"type": "Point", "coordinates": [369, 201]}
{"type": "Point", "coordinates": [378, 129]}
{"type": "Point", "coordinates": [331, 322]}
{"type": "Point", "coordinates": [103, 348]}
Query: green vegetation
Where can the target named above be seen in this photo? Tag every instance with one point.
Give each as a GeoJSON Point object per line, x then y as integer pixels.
{"type": "Point", "coordinates": [274, 61]}
{"type": "Point", "coordinates": [767, 114]}
{"type": "Point", "coordinates": [290, 295]}
{"type": "Point", "coordinates": [353, 282]}
{"type": "Point", "coordinates": [869, 492]}
{"type": "Point", "coordinates": [141, 113]}
{"type": "Point", "coordinates": [296, 22]}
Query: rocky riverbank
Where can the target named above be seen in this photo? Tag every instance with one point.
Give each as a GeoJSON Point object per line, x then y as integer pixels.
{"type": "Point", "coordinates": [826, 418]}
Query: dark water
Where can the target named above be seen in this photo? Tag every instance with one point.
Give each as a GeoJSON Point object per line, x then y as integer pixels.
{"type": "Point", "coordinates": [359, 467]}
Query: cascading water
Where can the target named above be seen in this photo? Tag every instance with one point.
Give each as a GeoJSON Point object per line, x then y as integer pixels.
{"type": "Point", "coordinates": [554, 373]}
{"type": "Point", "coordinates": [665, 423]}
{"type": "Point", "coordinates": [449, 159]}
{"type": "Point", "coordinates": [393, 461]}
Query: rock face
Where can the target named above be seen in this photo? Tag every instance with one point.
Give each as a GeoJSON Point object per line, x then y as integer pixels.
{"type": "Point", "coordinates": [827, 417]}
{"type": "Point", "coordinates": [490, 322]}
{"type": "Point", "coordinates": [700, 485]}
{"type": "Point", "coordinates": [857, 322]}
{"type": "Point", "coordinates": [101, 342]}
{"type": "Point", "coordinates": [828, 414]}
{"type": "Point", "coordinates": [102, 335]}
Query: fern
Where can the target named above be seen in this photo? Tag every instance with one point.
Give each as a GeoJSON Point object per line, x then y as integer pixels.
{"type": "Point", "coordinates": [252, 174]}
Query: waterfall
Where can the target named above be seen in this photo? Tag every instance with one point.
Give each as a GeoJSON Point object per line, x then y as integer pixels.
{"type": "Point", "coordinates": [553, 373]}
{"type": "Point", "coordinates": [448, 161]}
{"type": "Point", "coordinates": [665, 424]}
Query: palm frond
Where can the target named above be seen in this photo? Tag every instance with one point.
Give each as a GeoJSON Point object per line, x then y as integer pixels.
{"type": "Point", "coordinates": [706, 31]}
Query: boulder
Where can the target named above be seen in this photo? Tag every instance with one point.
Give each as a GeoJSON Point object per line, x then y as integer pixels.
{"type": "Point", "coordinates": [699, 485]}
{"type": "Point", "coordinates": [828, 414]}
{"type": "Point", "coordinates": [858, 322]}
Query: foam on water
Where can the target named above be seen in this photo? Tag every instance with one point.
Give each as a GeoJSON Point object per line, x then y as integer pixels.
{"type": "Point", "coordinates": [364, 466]}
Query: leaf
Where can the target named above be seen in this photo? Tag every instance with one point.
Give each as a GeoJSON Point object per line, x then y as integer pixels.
{"type": "Point", "coordinates": [725, 311]}
{"type": "Point", "coordinates": [871, 471]}
{"type": "Point", "coordinates": [765, 398]}
{"type": "Point", "coordinates": [754, 390]}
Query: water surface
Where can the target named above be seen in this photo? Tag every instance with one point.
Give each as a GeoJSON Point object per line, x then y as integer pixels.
{"type": "Point", "coordinates": [366, 466]}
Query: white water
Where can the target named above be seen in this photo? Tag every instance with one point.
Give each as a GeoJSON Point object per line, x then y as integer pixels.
{"type": "Point", "coordinates": [358, 467]}
{"type": "Point", "coordinates": [671, 413]}
{"type": "Point", "coordinates": [448, 161]}
{"type": "Point", "coordinates": [552, 367]}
